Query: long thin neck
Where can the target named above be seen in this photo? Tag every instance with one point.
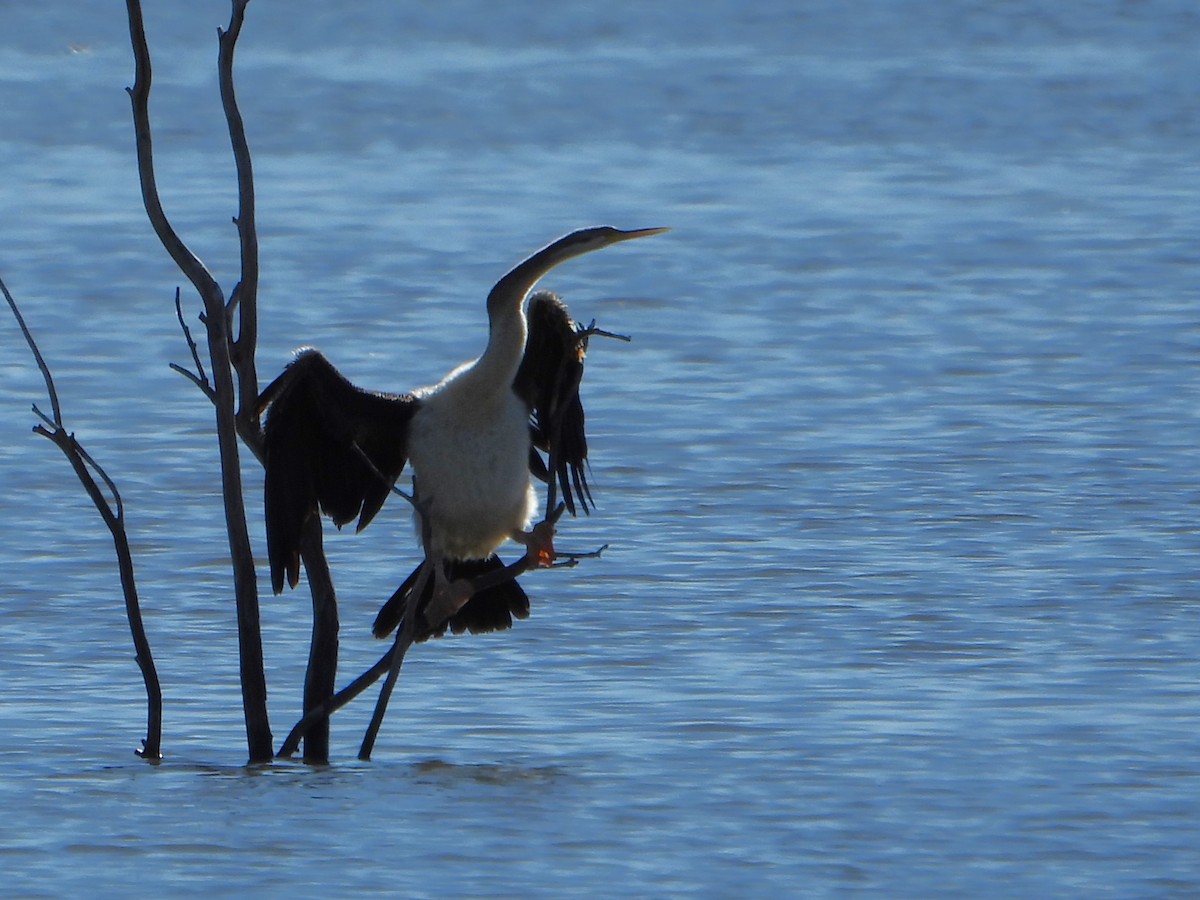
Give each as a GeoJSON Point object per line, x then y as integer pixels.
{"type": "Point", "coordinates": [506, 313]}
{"type": "Point", "coordinates": [506, 344]}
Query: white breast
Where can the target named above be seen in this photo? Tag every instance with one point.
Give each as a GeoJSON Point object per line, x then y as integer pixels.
{"type": "Point", "coordinates": [470, 460]}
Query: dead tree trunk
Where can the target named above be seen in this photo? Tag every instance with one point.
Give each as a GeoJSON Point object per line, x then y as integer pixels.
{"type": "Point", "coordinates": [321, 678]}
{"type": "Point", "coordinates": [224, 391]}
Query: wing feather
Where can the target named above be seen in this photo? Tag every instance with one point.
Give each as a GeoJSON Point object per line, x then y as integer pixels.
{"type": "Point", "coordinates": [329, 447]}
{"type": "Point", "coordinates": [548, 381]}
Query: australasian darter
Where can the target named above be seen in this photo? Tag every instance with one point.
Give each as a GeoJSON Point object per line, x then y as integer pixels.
{"type": "Point", "coordinates": [470, 440]}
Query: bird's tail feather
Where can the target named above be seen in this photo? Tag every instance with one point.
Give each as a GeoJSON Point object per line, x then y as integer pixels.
{"type": "Point", "coordinates": [492, 609]}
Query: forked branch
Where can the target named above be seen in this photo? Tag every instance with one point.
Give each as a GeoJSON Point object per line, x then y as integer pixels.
{"type": "Point", "coordinates": [220, 346]}
{"type": "Point", "coordinates": [113, 513]}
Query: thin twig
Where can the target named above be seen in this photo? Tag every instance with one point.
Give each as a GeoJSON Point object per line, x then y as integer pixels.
{"type": "Point", "coordinates": [407, 631]}
{"type": "Point", "coordinates": [593, 331]}
{"type": "Point", "coordinates": [191, 376]}
{"type": "Point", "coordinates": [37, 355]}
{"type": "Point", "coordinates": [119, 515]}
{"type": "Point", "coordinates": [404, 639]}
{"type": "Point", "coordinates": [198, 377]}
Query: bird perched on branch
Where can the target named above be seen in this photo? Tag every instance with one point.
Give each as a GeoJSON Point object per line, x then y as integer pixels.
{"type": "Point", "coordinates": [470, 440]}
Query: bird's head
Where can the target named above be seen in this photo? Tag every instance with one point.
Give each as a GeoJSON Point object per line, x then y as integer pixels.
{"type": "Point", "coordinates": [588, 239]}
{"type": "Point", "coordinates": [513, 287]}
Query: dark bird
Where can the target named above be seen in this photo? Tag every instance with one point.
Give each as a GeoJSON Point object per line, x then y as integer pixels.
{"type": "Point", "coordinates": [470, 440]}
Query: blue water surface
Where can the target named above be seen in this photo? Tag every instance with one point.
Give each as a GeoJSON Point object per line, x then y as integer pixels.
{"type": "Point", "coordinates": [898, 474]}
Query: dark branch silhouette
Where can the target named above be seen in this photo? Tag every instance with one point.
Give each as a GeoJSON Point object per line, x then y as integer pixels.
{"type": "Point", "coordinates": [234, 355]}
{"type": "Point", "coordinates": [224, 392]}
{"type": "Point", "coordinates": [231, 385]}
{"type": "Point", "coordinates": [113, 514]}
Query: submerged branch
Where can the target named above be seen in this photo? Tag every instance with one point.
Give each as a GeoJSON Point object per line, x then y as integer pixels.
{"type": "Point", "coordinates": [334, 703]}
{"type": "Point", "coordinates": [389, 664]}
{"type": "Point", "coordinates": [113, 515]}
{"type": "Point", "coordinates": [224, 390]}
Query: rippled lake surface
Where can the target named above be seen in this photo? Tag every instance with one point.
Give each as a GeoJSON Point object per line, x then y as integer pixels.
{"type": "Point", "coordinates": [899, 473]}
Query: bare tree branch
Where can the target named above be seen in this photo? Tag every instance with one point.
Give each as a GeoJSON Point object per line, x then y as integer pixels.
{"type": "Point", "coordinates": [114, 518]}
{"type": "Point", "coordinates": [216, 321]}
{"type": "Point", "coordinates": [403, 640]}
{"type": "Point", "coordinates": [323, 653]}
{"type": "Point", "coordinates": [245, 295]}
{"type": "Point", "coordinates": [334, 703]}
{"type": "Point", "coordinates": [243, 303]}
{"type": "Point", "coordinates": [37, 355]}
{"type": "Point", "coordinates": [320, 679]}
{"type": "Point", "coordinates": [198, 377]}
{"type": "Point", "coordinates": [405, 632]}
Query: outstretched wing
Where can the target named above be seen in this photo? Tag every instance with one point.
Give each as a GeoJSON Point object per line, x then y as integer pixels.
{"type": "Point", "coordinates": [329, 446]}
{"type": "Point", "coordinates": [548, 381]}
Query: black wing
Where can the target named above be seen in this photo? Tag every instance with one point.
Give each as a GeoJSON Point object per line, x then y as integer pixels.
{"type": "Point", "coordinates": [329, 446]}
{"type": "Point", "coordinates": [548, 381]}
